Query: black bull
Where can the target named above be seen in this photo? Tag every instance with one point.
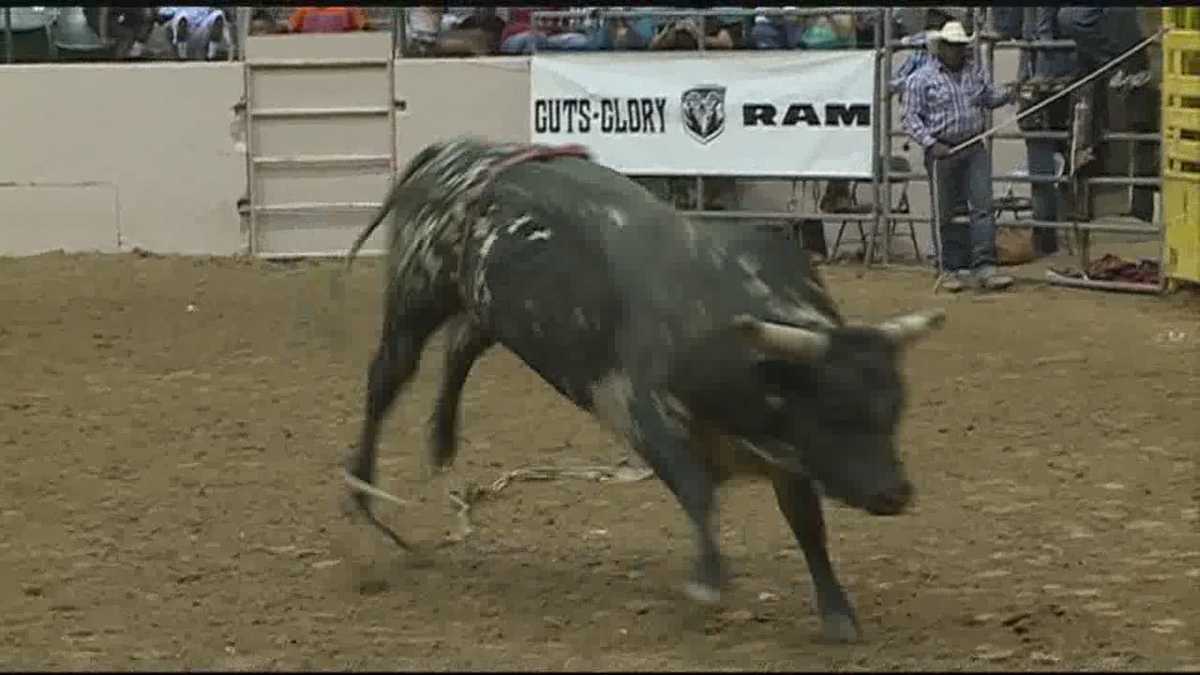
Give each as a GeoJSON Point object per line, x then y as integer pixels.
{"type": "Point", "coordinates": [710, 355]}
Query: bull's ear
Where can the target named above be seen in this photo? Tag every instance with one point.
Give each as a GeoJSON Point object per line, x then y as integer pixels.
{"type": "Point", "coordinates": [787, 342]}
{"type": "Point", "coordinates": [912, 327]}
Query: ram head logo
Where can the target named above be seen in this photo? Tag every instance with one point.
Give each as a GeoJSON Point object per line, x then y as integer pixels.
{"type": "Point", "coordinates": [704, 112]}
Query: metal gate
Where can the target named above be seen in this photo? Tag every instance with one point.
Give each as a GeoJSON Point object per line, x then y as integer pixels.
{"type": "Point", "coordinates": [320, 120]}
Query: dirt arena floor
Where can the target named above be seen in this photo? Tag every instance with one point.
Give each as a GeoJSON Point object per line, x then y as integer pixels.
{"type": "Point", "coordinates": [171, 431]}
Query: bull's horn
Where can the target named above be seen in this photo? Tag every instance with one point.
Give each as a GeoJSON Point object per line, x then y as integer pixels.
{"type": "Point", "coordinates": [910, 327]}
{"type": "Point", "coordinates": [786, 341]}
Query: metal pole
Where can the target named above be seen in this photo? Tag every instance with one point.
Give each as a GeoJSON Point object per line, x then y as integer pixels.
{"type": "Point", "coordinates": [102, 23]}
{"type": "Point", "coordinates": [936, 221]}
{"type": "Point", "coordinates": [393, 164]}
{"type": "Point", "coordinates": [243, 31]}
{"type": "Point", "coordinates": [699, 204]}
{"type": "Point", "coordinates": [8, 35]}
{"type": "Point", "coordinates": [876, 149]}
{"type": "Point", "coordinates": [401, 28]}
{"type": "Point", "coordinates": [989, 57]}
{"type": "Point", "coordinates": [885, 97]}
{"type": "Point", "coordinates": [251, 178]}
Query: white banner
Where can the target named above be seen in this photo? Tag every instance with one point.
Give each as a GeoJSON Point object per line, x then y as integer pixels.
{"type": "Point", "coordinates": [793, 113]}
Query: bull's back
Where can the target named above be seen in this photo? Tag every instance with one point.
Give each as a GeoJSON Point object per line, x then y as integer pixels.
{"type": "Point", "coordinates": [586, 273]}
{"type": "Point", "coordinates": [544, 274]}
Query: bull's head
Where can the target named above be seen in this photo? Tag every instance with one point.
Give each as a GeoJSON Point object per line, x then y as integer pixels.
{"type": "Point", "coordinates": [835, 399]}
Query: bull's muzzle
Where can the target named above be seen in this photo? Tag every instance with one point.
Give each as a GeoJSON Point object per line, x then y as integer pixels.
{"type": "Point", "coordinates": [891, 502]}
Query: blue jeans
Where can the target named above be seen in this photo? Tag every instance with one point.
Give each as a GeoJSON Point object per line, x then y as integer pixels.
{"type": "Point", "coordinates": [1101, 33]}
{"type": "Point", "coordinates": [776, 35]}
{"type": "Point", "coordinates": [523, 43]}
{"type": "Point", "coordinates": [965, 177]}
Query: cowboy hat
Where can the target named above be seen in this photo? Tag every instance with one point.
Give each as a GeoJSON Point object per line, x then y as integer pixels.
{"type": "Point", "coordinates": [953, 33]}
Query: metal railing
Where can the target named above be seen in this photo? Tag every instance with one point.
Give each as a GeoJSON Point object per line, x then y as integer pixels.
{"type": "Point", "coordinates": [985, 48]}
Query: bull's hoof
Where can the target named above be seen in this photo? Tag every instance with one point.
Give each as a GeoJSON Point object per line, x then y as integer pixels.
{"type": "Point", "coordinates": [840, 629]}
{"type": "Point", "coordinates": [702, 593]}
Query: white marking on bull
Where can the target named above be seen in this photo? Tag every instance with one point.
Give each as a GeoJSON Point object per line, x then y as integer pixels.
{"type": "Point", "coordinates": [757, 287]}
{"type": "Point", "coordinates": [612, 397]}
{"type": "Point", "coordinates": [482, 293]}
{"type": "Point", "coordinates": [689, 230]}
{"type": "Point", "coordinates": [674, 413]}
{"type": "Point", "coordinates": [617, 218]}
{"type": "Point", "coordinates": [540, 234]}
{"type": "Point", "coordinates": [718, 254]}
{"type": "Point", "coordinates": [519, 223]}
{"type": "Point", "coordinates": [749, 265]}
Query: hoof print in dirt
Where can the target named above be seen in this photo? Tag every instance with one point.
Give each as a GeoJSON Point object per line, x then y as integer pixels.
{"type": "Point", "coordinates": [372, 586]}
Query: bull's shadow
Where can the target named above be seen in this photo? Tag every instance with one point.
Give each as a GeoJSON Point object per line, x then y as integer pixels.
{"type": "Point", "coordinates": [602, 591]}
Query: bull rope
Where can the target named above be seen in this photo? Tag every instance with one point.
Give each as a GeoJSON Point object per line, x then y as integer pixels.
{"type": "Point", "coordinates": [463, 499]}
{"type": "Point", "coordinates": [988, 133]}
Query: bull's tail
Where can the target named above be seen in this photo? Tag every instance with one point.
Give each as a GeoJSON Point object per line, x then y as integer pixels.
{"type": "Point", "coordinates": [389, 203]}
{"type": "Point", "coordinates": [337, 289]}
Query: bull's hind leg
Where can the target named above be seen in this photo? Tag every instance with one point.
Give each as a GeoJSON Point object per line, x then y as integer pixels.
{"type": "Point", "coordinates": [407, 325]}
{"type": "Point", "coordinates": [801, 506]}
{"type": "Point", "coordinates": [466, 342]}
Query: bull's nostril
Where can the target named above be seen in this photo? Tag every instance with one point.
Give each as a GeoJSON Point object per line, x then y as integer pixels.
{"type": "Point", "coordinates": [893, 501]}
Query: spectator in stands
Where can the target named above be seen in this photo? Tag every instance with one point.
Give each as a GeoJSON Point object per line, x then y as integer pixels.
{"type": "Point", "coordinates": [128, 28]}
{"type": "Point", "coordinates": [722, 31]}
{"type": "Point", "coordinates": [30, 33]}
{"type": "Point", "coordinates": [836, 31]}
{"type": "Point", "coordinates": [452, 31]}
{"type": "Point", "coordinates": [583, 33]}
{"type": "Point", "coordinates": [321, 19]}
{"type": "Point", "coordinates": [946, 100]}
{"type": "Point", "coordinates": [626, 33]}
{"type": "Point", "coordinates": [778, 31]}
{"type": "Point", "coordinates": [263, 23]}
{"type": "Point", "coordinates": [197, 33]}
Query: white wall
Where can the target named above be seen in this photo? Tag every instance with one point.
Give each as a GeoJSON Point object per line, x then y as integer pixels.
{"type": "Point", "coordinates": [107, 157]}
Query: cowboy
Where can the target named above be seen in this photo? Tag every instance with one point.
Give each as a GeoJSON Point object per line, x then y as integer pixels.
{"type": "Point", "coordinates": [945, 103]}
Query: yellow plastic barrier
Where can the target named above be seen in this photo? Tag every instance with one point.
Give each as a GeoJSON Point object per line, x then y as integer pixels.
{"type": "Point", "coordinates": [1184, 18]}
{"type": "Point", "coordinates": [1181, 142]}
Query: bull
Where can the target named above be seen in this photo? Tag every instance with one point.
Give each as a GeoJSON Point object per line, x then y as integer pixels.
{"type": "Point", "coordinates": [712, 355]}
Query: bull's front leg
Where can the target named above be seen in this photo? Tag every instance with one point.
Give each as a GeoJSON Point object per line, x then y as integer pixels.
{"type": "Point", "coordinates": [800, 504]}
{"type": "Point", "coordinates": [665, 445]}
{"type": "Point", "coordinates": [466, 342]}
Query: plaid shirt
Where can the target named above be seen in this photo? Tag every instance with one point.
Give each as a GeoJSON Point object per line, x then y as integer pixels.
{"type": "Point", "coordinates": [942, 106]}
